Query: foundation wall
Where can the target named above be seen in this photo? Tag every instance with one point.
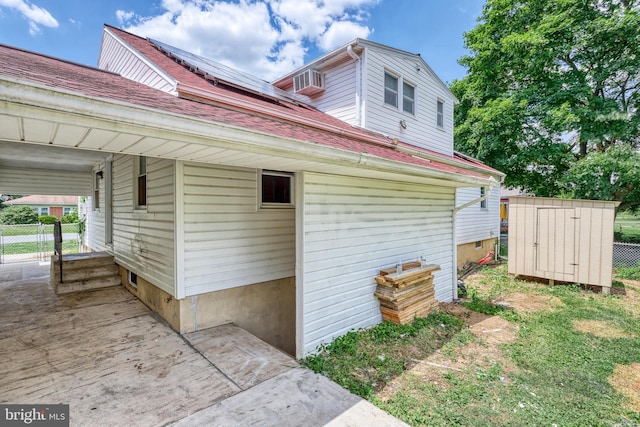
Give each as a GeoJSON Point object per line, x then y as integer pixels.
{"type": "Point", "coordinates": [469, 253]}
{"type": "Point", "coordinates": [266, 310]}
{"type": "Point", "coordinates": [155, 298]}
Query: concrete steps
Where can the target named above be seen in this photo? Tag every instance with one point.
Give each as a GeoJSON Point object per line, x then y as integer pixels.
{"type": "Point", "coordinates": [82, 272]}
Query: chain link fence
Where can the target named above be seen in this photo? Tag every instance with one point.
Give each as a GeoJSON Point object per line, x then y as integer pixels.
{"type": "Point", "coordinates": [34, 242]}
{"type": "Point", "coordinates": [626, 255]}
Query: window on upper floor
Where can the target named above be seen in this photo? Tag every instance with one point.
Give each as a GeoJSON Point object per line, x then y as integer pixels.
{"type": "Point", "coordinates": [390, 90]}
{"type": "Point", "coordinates": [483, 192]}
{"type": "Point", "coordinates": [440, 113]}
{"type": "Point", "coordinates": [408, 98]}
{"type": "Point", "coordinates": [392, 93]}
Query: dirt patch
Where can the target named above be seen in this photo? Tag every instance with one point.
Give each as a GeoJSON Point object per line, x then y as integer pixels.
{"type": "Point", "coordinates": [626, 380]}
{"type": "Point", "coordinates": [528, 302]}
{"type": "Point", "coordinates": [464, 360]}
{"type": "Point", "coordinates": [600, 329]}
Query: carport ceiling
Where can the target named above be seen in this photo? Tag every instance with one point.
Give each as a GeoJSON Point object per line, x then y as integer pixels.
{"type": "Point", "coordinates": [38, 156]}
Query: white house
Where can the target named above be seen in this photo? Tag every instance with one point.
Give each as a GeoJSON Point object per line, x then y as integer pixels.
{"type": "Point", "coordinates": [225, 199]}
{"type": "Point", "coordinates": [397, 94]}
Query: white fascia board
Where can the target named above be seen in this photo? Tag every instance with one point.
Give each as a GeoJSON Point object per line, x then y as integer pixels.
{"type": "Point", "coordinates": [25, 99]}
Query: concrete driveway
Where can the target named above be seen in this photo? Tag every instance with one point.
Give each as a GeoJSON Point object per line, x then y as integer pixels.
{"type": "Point", "coordinates": [115, 363]}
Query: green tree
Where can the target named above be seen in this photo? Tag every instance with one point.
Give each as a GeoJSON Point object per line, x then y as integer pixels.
{"type": "Point", "coordinates": [18, 214]}
{"type": "Point", "coordinates": [549, 84]}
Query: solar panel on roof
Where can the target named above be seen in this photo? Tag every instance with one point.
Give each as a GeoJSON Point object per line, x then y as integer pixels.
{"type": "Point", "coordinates": [226, 74]}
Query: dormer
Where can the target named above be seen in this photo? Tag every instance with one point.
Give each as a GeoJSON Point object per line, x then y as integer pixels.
{"type": "Point", "coordinates": [309, 82]}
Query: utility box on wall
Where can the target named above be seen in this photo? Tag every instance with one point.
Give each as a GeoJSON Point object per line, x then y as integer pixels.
{"type": "Point", "coordinates": [561, 239]}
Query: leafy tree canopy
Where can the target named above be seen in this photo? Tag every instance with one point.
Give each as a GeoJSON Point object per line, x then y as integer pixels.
{"type": "Point", "coordinates": [18, 214]}
{"type": "Point", "coordinates": [552, 94]}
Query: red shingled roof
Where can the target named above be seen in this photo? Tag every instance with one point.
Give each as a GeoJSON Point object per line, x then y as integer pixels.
{"type": "Point", "coordinates": [44, 200]}
{"type": "Point", "coordinates": [92, 82]}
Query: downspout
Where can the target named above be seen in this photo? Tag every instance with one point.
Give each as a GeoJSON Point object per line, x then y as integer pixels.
{"type": "Point", "coordinates": [454, 267]}
{"type": "Point", "coordinates": [493, 183]}
{"type": "Point", "coordinates": [356, 58]}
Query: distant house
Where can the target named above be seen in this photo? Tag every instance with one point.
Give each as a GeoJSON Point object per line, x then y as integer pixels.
{"type": "Point", "coordinates": [396, 93]}
{"type": "Point", "coordinates": [224, 198]}
{"type": "Point", "coordinates": [47, 205]}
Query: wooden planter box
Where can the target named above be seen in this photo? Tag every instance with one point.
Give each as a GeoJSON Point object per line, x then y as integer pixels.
{"type": "Point", "coordinates": [407, 295]}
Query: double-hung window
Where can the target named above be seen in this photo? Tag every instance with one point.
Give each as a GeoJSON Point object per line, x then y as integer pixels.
{"type": "Point", "coordinates": [440, 113]}
{"type": "Point", "coordinates": [390, 90]}
{"type": "Point", "coordinates": [408, 98]}
{"type": "Point", "coordinates": [483, 192]}
{"type": "Point", "coordinates": [392, 93]}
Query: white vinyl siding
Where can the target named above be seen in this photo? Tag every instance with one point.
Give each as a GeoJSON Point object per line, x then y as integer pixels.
{"type": "Point", "coordinates": [354, 227]}
{"type": "Point", "coordinates": [143, 242]}
{"type": "Point", "coordinates": [228, 241]}
{"type": "Point", "coordinates": [117, 58]}
{"type": "Point", "coordinates": [94, 237]}
{"type": "Point", "coordinates": [474, 223]}
{"type": "Point", "coordinates": [339, 96]}
{"type": "Point", "coordinates": [421, 129]}
{"type": "Point", "coordinates": [45, 181]}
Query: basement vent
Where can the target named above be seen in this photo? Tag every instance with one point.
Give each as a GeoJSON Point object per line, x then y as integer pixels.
{"type": "Point", "coordinates": [308, 83]}
{"type": "Point", "coordinates": [133, 279]}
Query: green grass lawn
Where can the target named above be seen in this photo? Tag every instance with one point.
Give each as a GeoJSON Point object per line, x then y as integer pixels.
{"type": "Point", "coordinates": [32, 229]}
{"type": "Point", "coordinates": [68, 246]}
{"type": "Point", "coordinates": [565, 362]}
{"type": "Point", "coordinates": [627, 227]}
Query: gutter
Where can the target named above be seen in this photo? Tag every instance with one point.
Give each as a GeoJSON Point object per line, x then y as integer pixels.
{"type": "Point", "coordinates": [33, 100]}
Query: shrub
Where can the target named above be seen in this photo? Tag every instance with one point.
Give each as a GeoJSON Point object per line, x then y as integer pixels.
{"type": "Point", "coordinates": [47, 219]}
{"type": "Point", "coordinates": [70, 218]}
{"type": "Point", "coordinates": [18, 214]}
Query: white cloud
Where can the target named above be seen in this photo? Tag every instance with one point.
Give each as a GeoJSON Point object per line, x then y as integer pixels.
{"type": "Point", "coordinates": [35, 15]}
{"type": "Point", "coordinates": [267, 38]}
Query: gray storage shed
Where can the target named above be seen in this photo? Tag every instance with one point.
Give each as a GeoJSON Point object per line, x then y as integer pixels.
{"type": "Point", "coordinates": [561, 239]}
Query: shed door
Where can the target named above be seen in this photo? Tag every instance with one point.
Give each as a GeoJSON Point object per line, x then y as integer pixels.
{"type": "Point", "coordinates": [556, 243]}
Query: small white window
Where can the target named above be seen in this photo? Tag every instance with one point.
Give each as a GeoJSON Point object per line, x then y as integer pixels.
{"type": "Point", "coordinates": [66, 211]}
{"type": "Point", "coordinates": [390, 90]}
{"type": "Point", "coordinates": [483, 192]}
{"type": "Point", "coordinates": [479, 244]}
{"type": "Point", "coordinates": [141, 182]}
{"type": "Point", "coordinates": [276, 189]}
{"type": "Point", "coordinates": [408, 98]}
{"type": "Point", "coordinates": [440, 114]}
{"type": "Point", "coordinates": [44, 211]}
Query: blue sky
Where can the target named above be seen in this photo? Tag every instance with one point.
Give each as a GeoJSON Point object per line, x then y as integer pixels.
{"type": "Point", "coordinates": [265, 37]}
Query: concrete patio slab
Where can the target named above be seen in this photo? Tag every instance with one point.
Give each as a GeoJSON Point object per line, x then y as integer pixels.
{"type": "Point", "coordinates": [116, 363]}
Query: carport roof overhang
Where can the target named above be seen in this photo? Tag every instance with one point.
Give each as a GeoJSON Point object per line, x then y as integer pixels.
{"type": "Point", "coordinates": [37, 114]}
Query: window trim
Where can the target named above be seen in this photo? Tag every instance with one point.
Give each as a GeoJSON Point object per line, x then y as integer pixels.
{"type": "Point", "coordinates": [276, 205]}
{"type": "Point", "coordinates": [440, 113]}
{"type": "Point", "coordinates": [136, 183]}
{"type": "Point", "coordinates": [479, 244]}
